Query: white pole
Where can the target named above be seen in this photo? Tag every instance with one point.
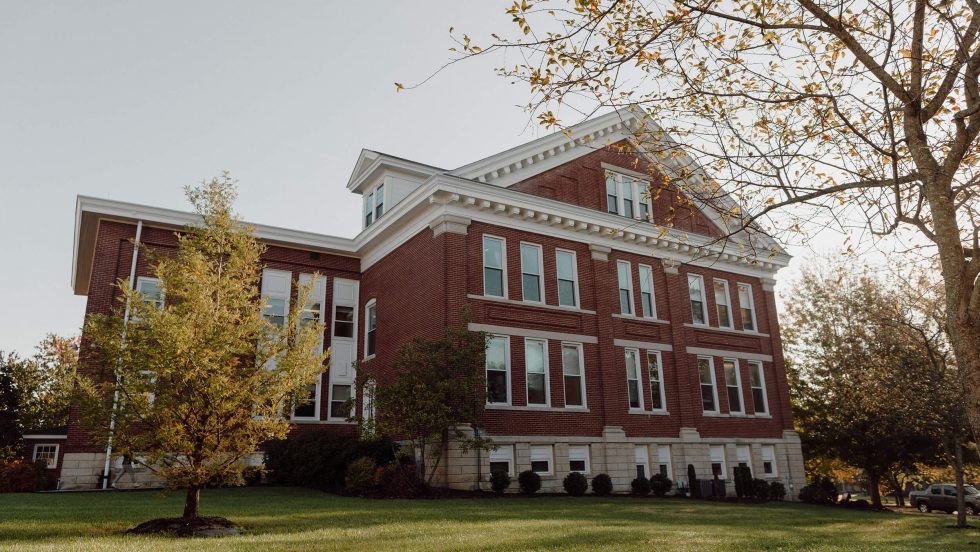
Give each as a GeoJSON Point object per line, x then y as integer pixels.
{"type": "Point", "coordinates": [115, 395]}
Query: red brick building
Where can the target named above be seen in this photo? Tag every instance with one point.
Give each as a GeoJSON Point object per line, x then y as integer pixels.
{"type": "Point", "coordinates": [618, 347]}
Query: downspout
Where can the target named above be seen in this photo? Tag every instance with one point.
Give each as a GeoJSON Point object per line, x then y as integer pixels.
{"type": "Point", "coordinates": [115, 395]}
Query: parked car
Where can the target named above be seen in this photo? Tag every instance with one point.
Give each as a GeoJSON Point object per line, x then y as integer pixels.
{"type": "Point", "coordinates": [942, 496]}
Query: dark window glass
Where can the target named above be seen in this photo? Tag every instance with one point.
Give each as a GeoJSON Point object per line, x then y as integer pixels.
{"type": "Point", "coordinates": [306, 406]}
{"type": "Point", "coordinates": [576, 465]}
{"type": "Point", "coordinates": [640, 470]}
{"type": "Point", "coordinates": [343, 325]}
{"type": "Point", "coordinates": [498, 467]}
{"type": "Point", "coordinates": [339, 407]}
{"type": "Point", "coordinates": [540, 466]}
{"type": "Point", "coordinates": [716, 469]}
{"type": "Point", "coordinates": [767, 467]}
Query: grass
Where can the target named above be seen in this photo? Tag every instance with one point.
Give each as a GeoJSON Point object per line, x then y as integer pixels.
{"type": "Point", "coordinates": [296, 519]}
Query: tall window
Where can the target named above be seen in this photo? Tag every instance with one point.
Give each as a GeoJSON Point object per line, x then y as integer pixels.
{"type": "Point", "coordinates": [48, 454]}
{"type": "Point", "coordinates": [498, 370]}
{"type": "Point", "coordinates": [370, 330]}
{"type": "Point", "coordinates": [627, 196]}
{"type": "Point", "coordinates": [723, 304]}
{"type": "Point", "coordinates": [573, 374]}
{"type": "Point", "coordinates": [531, 270]}
{"type": "Point", "coordinates": [743, 456]}
{"type": "Point", "coordinates": [769, 461]}
{"type": "Point", "coordinates": [536, 364]}
{"type": "Point", "coordinates": [368, 209]}
{"type": "Point", "coordinates": [612, 193]}
{"type": "Point", "coordinates": [307, 401]}
{"type": "Point", "coordinates": [502, 460]}
{"type": "Point", "coordinates": [379, 202]}
{"type": "Point", "coordinates": [733, 384]}
{"type": "Point", "coordinates": [663, 461]}
{"type": "Point", "coordinates": [641, 457]}
{"type": "Point", "coordinates": [578, 458]}
{"type": "Point", "coordinates": [657, 401]}
{"type": "Point", "coordinates": [747, 307]}
{"type": "Point", "coordinates": [151, 289]}
{"type": "Point", "coordinates": [275, 292]}
{"type": "Point", "coordinates": [757, 381]}
{"type": "Point", "coordinates": [340, 405]}
{"type": "Point", "coordinates": [706, 375]}
{"type": "Point", "coordinates": [628, 201]}
{"type": "Point", "coordinates": [567, 268]}
{"type": "Point", "coordinates": [494, 282]}
{"type": "Point", "coordinates": [542, 459]}
{"type": "Point", "coordinates": [718, 466]}
{"type": "Point", "coordinates": [625, 287]}
{"type": "Point", "coordinates": [647, 301]}
{"type": "Point", "coordinates": [633, 379]}
{"type": "Point", "coordinates": [695, 285]}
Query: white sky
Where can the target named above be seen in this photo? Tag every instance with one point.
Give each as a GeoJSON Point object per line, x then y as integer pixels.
{"type": "Point", "coordinates": [133, 100]}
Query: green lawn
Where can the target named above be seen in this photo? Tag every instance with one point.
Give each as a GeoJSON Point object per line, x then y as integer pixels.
{"type": "Point", "coordinates": [296, 519]}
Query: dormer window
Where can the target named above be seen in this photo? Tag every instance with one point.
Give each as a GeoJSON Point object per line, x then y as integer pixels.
{"type": "Point", "coordinates": [627, 196]}
{"type": "Point", "coordinates": [374, 205]}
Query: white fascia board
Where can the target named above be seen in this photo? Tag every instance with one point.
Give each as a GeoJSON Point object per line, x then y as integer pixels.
{"type": "Point", "coordinates": [369, 163]}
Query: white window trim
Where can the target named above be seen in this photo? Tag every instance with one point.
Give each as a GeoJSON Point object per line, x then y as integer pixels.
{"type": "Point", "coordinates": [653, 295]}
{"type": "Point", "coordinates": [755, 321]}
{"type": "Point", "coordinates": [578, 302]}
{"type": "Point", "coordinates": [507, 377]}
{"type": "Point", "coordinates": [738, 382]}
{"type": "Point", "coordinates": [643, 460]}
{"type": "Point", "coordinates": [704, 300]}
{"type": "Point", "coordinates": [550, 459]}
{"type": "Point", "coordinates": [757, 365]}
{"type": "Point", "coordinates": [353, 394]}
{"type": "Point", "coordinates": [639, 378]}
{"type": "Point", "coordinates": [669, 462]}
{"type": "Point", "coordinates": [547, 374]}
{"type": "Point", "coordinates": [318, 291]}
{"type": "Point", "coordinates": [540, 272]}
{"type": "Point", "coordinates": [588, 459]}
{"type": "Point", "coordinates": [57, 451]}
{"type": "Point", "coordinates": [157, 281]}
{"type": "Point", "coordinates": [373, 303]}
{"type": "Point", "coordinates": [508, 457]}
{"type": "Point", "coordinates": [714, 385]}
{"type": "Point", "coordinates": [660, 368]}
{"type": "Point", "coordinates": [503, 265]}
{"type": "Point", "coordinates": [728, 306]}
{"type": "Point", "coordinates": [628, 288]}
{"type": "Point", "coordinates": [772, 460]}
{"type": "Point", "coordinates": [724, 460]}
{"type": "Point", "coordinates": [333, 377]}
{"type": "Point", "coordinates": [637, 187]}
{"type": "Point", "coordinates": [581, 376]}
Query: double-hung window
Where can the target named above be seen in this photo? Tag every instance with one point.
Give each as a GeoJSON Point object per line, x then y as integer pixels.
{"type": "Point", "coordinates": [628, 210]}
{"type": "Point", "coordinates": [542, 459]}
{"type": "Point", "coordinates": [502, 460]}
{"type": "Point", "coordinates": [531, 270]}
{"type": "Point", "coordinates": [368, 209]}
{"type": "Point", "coordinates": [536, 364]}
{"type": "Point", "coordinates": [747, 307]}
{"type": "Point", "coordinates": [578, 458]}
{"type": "Point", "coordinates": [723, 304]}
{"type": "Point", "coordinates": [663, 461]}
{"type": "Point", "coordinates": [374, 205]}
{"type": "Point", "coordinates": [657, 400]}
{"type": "Point", "coordinates": [769, 461]}
{"type": "Point", "coordinates": [567, 269]}
{"type": "Point", "coordinates": [494, 267]}
{"type": "Point", "coordinates": [695, 286]}
{"type": "Point", "coordinates": [612, 193]}
{"type": "Point", "coordinates": [379, 201]}
{"type": "Point", "coordinates": [757, 381]}
{"type": "Point", "coordinates": [371, 328]}
{"type": "Point", "coordinates": [718, 465]}
{"type": "Point", "coordinates": [625, 277]}
{"type": "Point", "coordinates": [641, 456]}
{"type": "Point", "coordinates": [46, 453]}
{"type": "Point", "coordinates": [151, 289]}
{"type": "Point", "coordinates": [627, 196]}
{"type": "Point", "coordinates": [573, 374]}
{"type": "Point", "coordinates": [275, 293]}
{"type": "Point", "coordinates": [706, 376]}
{"type": "Point", "coordinates": [340, 397]}
{"type": "Point", "coordinates": [733, 385]}
{"type": "Point", "coordinates": [498, 370]}
{"type": "Point", "coordinates": [647, 301]}
{"type": "Point", "coordinates": [633, 379]}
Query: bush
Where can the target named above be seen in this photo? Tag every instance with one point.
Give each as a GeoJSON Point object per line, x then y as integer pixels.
{"type": "Point", "coordinates": [602, 484]}
{"type": "Point", "coordinates": [398, 480]}
{"type": "Point", "coordinates": [660, 484]}
{"type": "Point", "coordinates": [692, 482]}
{"type": "Point", "coordinates": [777, 491]}
{"type": "Point", "coordinates": [829, 488]}
{"type": "Point", "coordinates": [861, 504]}
{"type": "Point", "coordinates": [499, 481]}
{"type": "Point", "coordinates": [743, 482]}
{"type": "Point", "coordinates": [529, 482]}
{"type": "Point", "coordinates": [641, 486]}
{"type": "Point", "coordinates": [821, 491]}
{"type": "Point", "coordinates": [362, 476]}
{"type": "Point", "coordinates": [575, 484]}
{"type": "Point", "coordinates": [252, 475]}
{"type": "Point", "coordinates": [319, 460]}
{"type": "Point", "coordinates": [760, 489]}
{"type": "Point", "coordinates": [21, 476]}
{"type": "Point", "coordinates": [718, 488]}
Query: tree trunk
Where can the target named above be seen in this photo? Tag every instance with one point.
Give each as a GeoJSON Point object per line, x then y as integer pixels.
{"type": "Point", "coordinates": [960, 499]}
{"type": "Point", "coordinates": [192, 504]}
{"type": "Point", "coordinates": [873, 482]}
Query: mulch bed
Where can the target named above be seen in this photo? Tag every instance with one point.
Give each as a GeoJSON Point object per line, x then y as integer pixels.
{"type": "Point", "coordinates": [182, 527]}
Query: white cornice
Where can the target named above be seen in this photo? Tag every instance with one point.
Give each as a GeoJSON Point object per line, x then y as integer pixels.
{"type": "Point", "coordinates": [369, 163]}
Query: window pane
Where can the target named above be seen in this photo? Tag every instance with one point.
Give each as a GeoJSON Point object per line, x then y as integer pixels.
{"type": "Point", "coordinates": [339, 407]}
{"type": "Point", "coordinates": [540, 466]}
{"type": "Point", "coordinates": [493, 255]}
{"type": "Point", "coordinates": [721, 304]}
{"type": "Point", "coordinates": [644, 209]}
{"type": "Point", "coordinates": [566, 265]}
{"type": "Point", "coordinates": [633, 379]}
{"type": "Point", "coordinates": [497, 467]}
{"type": "Point", "coordinates": [572, 379]}
{"type": "Point", "coordinates": [493, 282]}
{"type": "Point", "coordinates": [306, 406]}
{"type": "Point", "coordinates": [344, 322]}
{"type": "Point", "coordinates": [530, 259]}
{"type": "Point", "coordinates": [653, 366]}
{"type": "Point", "coordinates": [496, 386]}
{"type": "Point", "coordinates": [625, 285]}
{"type": "Point", "coordinates": [612, 200]}
{"type": "Point", "coordinates": [697, 299]}
{"type": "Point", "coordinates": [707, 386]}
{"type": "Point", "coordinates": [534, 362]}
{"type": "Point", "coordinates": [745, 306]}
{"type": "Point", "coordinates": [566, 293]}
{"type": "Point", "coordinates": [379, 201]}
{"type": "Point", "coordinates": [576, 465]}
{"type": "Point", "coordinates": [497, 370]}
{"type": "Point", "coordinates": [531, 285]}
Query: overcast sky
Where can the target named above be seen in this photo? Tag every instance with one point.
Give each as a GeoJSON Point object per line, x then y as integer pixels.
{"type": "Point", "coordinates": [133, 100]}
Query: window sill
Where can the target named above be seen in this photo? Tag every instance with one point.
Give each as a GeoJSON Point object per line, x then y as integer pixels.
{"type": "Point", "coordinates": [535, 408]}
{"type": "Point", "coordinates": [725, 330]}
{"type": "Point", "coordinates": [311, 421]}
{"type": "Point", "coordinates": [761, 416]}
{"type": "Point", "coordinates": [369, 357]}
{"type": "Point", "coordinates": [640, 318]}
{"type": "Point", "coordinates": [529, 304]}
{"type": "Point", "coordinates": [650, 412]}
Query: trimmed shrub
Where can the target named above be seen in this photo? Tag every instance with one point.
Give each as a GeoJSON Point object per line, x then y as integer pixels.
{"type": "Point", "coordinates": [362, 476]}
{"type": "Point", "coordinates": [575, 484]}
{"type": "Point", "coordinates": [319, 460]}
{"type": "Point", "coordinates": [829, 489]}
{"type": "Point", "coordinates": [602, 484]}
{"type": "Point", "coordinates": [641, 486]}
{"type": "Point", "coordinates": [660, 484]}
{"type": "Point", "coordinates": [692, 482]}
{"type": "Point", "coordinates": [529, 482]}
{"type": "Point", "coordinates": [743, 482]}
{"type": "Point", "coordinates": [820, 491]}
{"type": "Point", "coordinates": [21, 476]}
{"type": "Point", "coordinates": [777, 491]}
{"type": "Point", "coordinates": [499, 481]}
{"type": "Point", "coordinates": [760, 489]}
